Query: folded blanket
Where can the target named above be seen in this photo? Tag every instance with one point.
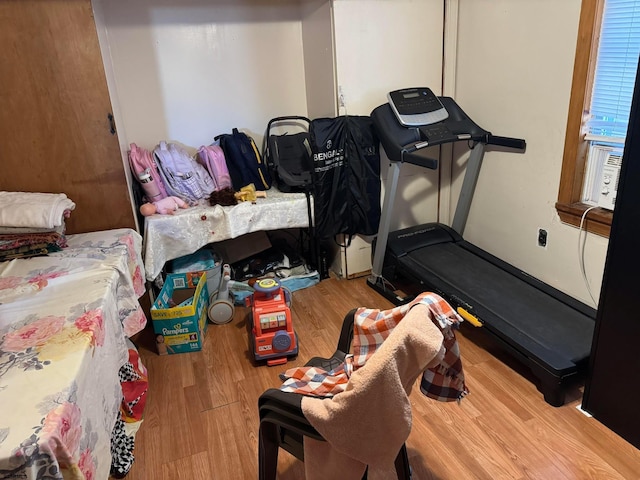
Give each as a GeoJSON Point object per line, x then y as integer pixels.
{"type": "Point", "coordinates": [30, 245]}
{"type": "Point", "coordinates": [29, 251]}
{"type": "Point", "coordinates": [368, 422]}
{"type": "Point", "coordinates": [20, 230]}
{"type": "Point", "coordinates": [8, 242]}
{"type": "Point", "coordinates": [37, 210]}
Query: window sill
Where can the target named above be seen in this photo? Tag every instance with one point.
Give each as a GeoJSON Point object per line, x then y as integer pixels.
{"type": "Point", "coordinates": [598, 221]}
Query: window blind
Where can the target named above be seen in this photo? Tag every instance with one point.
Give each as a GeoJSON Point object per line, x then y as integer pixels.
{"type": "Point", "coordinates": [618, 53]}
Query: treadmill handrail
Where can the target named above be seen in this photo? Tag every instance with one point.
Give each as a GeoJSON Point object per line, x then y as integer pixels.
{"type": "Point", "coordinates": [509, 142]}
{"type": "Point", "coordinates": [488, 139]}
{"type": "Point", "coordinates": [401, 143]}
{"type": "Point", "coordinates": [415, 156]}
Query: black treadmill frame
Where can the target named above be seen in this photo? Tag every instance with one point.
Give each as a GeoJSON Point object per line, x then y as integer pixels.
{"type": "Point", "coordinates": [403, 145]}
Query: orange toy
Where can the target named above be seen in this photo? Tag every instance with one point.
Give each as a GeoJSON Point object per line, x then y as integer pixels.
{"type": "Point", "coordinates": [271, 334]}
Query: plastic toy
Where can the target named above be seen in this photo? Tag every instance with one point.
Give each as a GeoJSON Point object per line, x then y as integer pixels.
{"type": "Point", "coordinates": [220, 307]}
{"type": "Point", "coordinates": [166, 206]}
{"type": "Point", "coordinates": [249, 194]}
{"type": "Point", "coordinates": [271, 334]}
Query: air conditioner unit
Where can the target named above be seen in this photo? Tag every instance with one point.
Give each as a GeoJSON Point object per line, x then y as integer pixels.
{"type": "Point", "coordinates": [609, 177]}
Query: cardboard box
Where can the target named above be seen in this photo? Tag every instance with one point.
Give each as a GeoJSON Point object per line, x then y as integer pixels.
{"type": "Point", "coordinates": [353, 261]}
{"type": "Point", "coordinates": [179, 314]}
{"type": "Point", "coordinates": [197, 262]}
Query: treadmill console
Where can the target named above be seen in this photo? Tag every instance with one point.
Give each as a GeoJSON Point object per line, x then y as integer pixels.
{"type": "Point", "coordinates": [435, 133]}
{"type": "Point", "coordinates": [415, 107]}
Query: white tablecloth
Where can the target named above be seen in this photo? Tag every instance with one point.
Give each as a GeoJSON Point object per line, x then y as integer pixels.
{"type": "Point", "coordinates": [171, 236]}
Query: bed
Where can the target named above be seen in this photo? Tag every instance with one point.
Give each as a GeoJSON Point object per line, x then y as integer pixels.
{"type": "Point", "coordinates": [64, 323]}
{"type": "Point", "coordinates": [171, 236]}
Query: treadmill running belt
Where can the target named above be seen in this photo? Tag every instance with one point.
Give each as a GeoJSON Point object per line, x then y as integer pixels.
{"type": "Point", "coordinates": [531, 320]}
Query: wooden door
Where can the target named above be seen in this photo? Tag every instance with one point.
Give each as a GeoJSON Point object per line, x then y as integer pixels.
{"type": "Point", "coordinates": [54, 106]}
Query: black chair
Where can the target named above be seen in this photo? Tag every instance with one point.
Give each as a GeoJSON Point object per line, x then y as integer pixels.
{"type": "Point", "coordinates": [283, 425]}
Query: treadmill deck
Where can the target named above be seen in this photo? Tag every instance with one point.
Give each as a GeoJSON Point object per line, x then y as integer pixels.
{"type": "Point", "coordinates": [531, 320]}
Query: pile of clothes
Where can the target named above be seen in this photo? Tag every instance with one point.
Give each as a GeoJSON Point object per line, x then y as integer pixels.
{"type": "Point", "coordinates": [32, 224]}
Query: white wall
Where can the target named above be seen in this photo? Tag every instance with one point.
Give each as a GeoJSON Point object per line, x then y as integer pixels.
{"type": "Point", "coordinates": [319, 58]}
{"type": "Point", "coordinates": [190, 70]}
{"type": "Point", "coordinates": [514, 69]}
{"type": "Point", "coordinates": [384, 45]}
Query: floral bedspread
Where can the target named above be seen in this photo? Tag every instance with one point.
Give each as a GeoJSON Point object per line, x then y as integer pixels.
{"type": "Point", "coordinates": [64, 320]}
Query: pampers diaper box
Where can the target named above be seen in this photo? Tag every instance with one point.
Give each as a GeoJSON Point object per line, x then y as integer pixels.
{"type": "Point", "coordinates": [179, 314]}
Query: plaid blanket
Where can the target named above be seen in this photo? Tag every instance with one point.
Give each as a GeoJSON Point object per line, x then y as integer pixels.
{"type": "Point", "coordinates": [134, 382]}
{"type": "Point", "coordinates": [444, 382]}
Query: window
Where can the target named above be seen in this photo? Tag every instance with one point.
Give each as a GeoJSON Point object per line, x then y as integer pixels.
{"type": "Point", "coordinates": [603, 78]}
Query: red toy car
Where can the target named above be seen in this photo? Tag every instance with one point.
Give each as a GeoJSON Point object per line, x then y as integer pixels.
{"type": "Point", "coordinates": [271, 334]}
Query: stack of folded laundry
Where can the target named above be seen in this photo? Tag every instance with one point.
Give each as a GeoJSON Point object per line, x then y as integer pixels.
{"type": "Point", "coordinates": [32, 224]}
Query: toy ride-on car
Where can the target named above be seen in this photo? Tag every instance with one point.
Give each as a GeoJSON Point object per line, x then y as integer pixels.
{"type": "Point", "coordinates": [271, 334]}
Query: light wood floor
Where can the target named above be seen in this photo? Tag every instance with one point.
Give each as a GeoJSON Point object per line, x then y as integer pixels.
{"type": "Point", "coordinates": [201, 419]}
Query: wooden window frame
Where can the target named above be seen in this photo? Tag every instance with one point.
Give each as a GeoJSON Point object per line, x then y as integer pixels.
{"type": "Point", "coordinates": [569, 206]}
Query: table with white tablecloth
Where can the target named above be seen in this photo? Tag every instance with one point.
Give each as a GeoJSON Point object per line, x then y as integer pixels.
{"type": "Point", "coordinates": [64, 323]}
{"type": "Point", "coordinates": [171, 236]}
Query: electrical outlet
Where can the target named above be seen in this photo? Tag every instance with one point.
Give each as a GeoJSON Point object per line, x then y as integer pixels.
{"type": "Point", "coordinates": [542, 237]}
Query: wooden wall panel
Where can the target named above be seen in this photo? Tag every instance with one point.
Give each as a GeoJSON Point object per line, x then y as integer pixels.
{"type": "Point", "coordinates": [54, 105]}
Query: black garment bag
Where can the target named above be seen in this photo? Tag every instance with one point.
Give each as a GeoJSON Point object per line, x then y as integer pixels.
{"type": "Point", "coordinates": [346, 160]}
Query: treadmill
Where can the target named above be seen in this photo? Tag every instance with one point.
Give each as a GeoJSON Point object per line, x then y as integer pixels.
{"type": "Point", "coordinates": [547, 330]}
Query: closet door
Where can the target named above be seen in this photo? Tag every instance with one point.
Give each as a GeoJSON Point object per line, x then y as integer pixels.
{"type": "Point", "coordinates": [612, 388]}
{"type": "Point", "coordinates": [54, 108]}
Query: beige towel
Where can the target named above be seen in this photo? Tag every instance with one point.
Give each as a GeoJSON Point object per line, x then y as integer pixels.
{"type": "Point", "coordinates": [368, 422]}
{"type": "Point", "coordinates": [33, 209]}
